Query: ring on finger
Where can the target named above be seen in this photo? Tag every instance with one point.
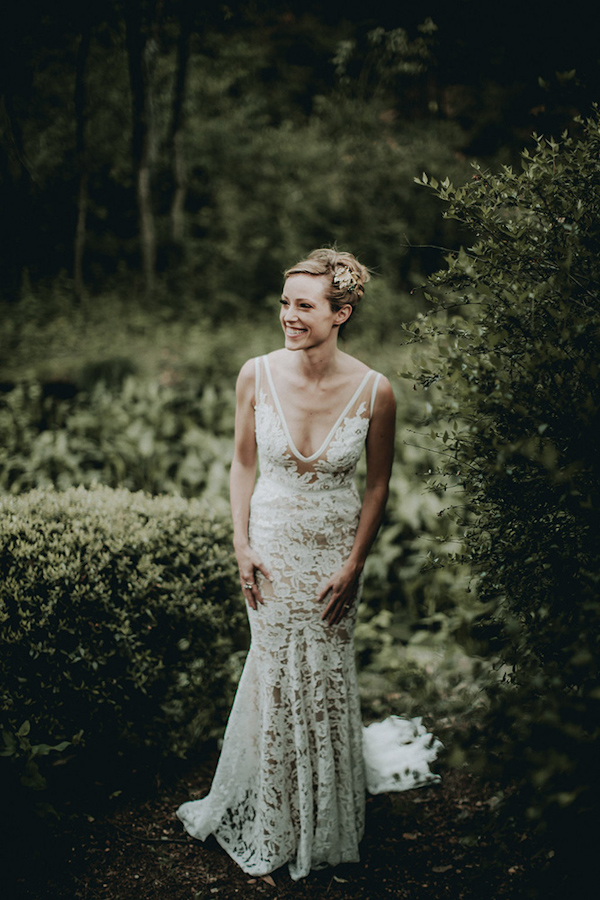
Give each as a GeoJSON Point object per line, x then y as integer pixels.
{"type": "Point", "coordinates": [249, 585]}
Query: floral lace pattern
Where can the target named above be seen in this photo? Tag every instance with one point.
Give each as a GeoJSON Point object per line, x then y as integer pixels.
{"type": "Point", "coordinates": [290, 783]}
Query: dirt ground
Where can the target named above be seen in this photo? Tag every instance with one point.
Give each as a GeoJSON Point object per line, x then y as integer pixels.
{"type": "Point", "coordinates": [432, 843]}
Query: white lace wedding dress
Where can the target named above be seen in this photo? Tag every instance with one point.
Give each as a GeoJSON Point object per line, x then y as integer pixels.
{"type": "Point", "coordinates": [290, 783]}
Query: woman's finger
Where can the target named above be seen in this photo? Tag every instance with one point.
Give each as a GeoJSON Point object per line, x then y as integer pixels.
{"type": "Point", "coordinates": [327, 611]}
{"type": "Point", "coordinates": [249, 597]}
{"type": "Point", "coordinates": [257, 594]}
{"type": "Point", "coordinates": [247, 584]}
{"type": "Point", "coordinates": [250, 589]}
{"type": "Point", "coordinates": [263, 569]}
{"type": "Point", "coordinates": [334, 610]}
{"type": "Point", "coordinates": [332, 605]}
{"type": "Point", "coordinates": [260, 566]}
{"type": "Point", "coordinates": [337, 608]}
{"type": "Point", "coordinates": [328, 587]}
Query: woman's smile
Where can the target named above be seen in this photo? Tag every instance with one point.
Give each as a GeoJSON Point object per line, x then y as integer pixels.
{"type": "Point", "coordinates": [306, 314]}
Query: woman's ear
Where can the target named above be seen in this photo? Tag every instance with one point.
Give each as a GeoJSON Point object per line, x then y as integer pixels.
{"type": "Point", "coordinates": [342, 315]}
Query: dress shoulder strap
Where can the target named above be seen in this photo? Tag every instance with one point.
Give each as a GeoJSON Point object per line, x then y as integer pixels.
{"type": "Point", "coordinates": [256, 378]}
{"type": "Point", "coordinates": [376, 381]}
{"type": "Point", "coordinates": [259, 367]}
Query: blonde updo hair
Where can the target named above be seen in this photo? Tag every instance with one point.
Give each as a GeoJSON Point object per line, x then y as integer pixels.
{"type": "Point", "coordinates": [346, 275]}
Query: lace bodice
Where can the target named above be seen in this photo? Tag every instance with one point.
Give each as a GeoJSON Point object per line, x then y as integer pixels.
{"type": "Point", "coordinates": [333, 465]}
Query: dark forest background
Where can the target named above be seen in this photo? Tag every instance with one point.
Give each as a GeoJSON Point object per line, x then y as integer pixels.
{"type": "Point", "coordinates": [194, 149]}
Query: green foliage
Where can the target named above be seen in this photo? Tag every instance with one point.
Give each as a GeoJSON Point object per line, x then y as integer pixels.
{"type": "Point", "coordinates": [170, 429]}
{"type": "Point", "coordinates": [517, 368]}
{"type": "Point", "coordinates": [119, 618]}
{"type": "Point", "coordinates": [278, 182]}
{"type": "Point", "coordinates": [278, 155]}
{"type": "Point", "coordinates": [390, 57]}
{"type": "Point", "coordinates": [49, 337]}
{"type": "Point", "coordinates": [17, 746]}
{"type": "Point", "coordinates": [145, 436]}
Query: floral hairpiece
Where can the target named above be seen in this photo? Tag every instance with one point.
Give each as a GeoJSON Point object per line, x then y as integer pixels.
{"type": "Point", "coordinates": [345, 279]}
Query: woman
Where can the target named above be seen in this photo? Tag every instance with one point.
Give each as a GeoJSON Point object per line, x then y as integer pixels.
{"type": "Point", "coordinates": [290, 784]}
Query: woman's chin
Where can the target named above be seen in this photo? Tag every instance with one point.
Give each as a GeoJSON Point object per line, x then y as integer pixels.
{"type": "Point", "coordinates": [293, 343]}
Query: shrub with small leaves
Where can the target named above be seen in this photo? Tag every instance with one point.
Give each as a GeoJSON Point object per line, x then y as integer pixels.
{"type": "Point", "coordinates": [119, 616]}
{"type": "Point", "coordinates": [518, 368]}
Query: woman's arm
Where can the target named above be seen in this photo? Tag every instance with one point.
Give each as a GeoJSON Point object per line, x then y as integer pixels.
{"type": "Point", "coordinates": [241, 483]}
{"type": "Point", "coordinates": [380, 456]}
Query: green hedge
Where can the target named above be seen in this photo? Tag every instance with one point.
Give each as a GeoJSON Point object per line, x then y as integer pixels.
{"type": "Point", "coordinates": [120, 616]}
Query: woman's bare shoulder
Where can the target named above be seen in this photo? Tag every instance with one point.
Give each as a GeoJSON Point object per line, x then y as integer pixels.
{"type": "Point", "coordinates": [278, 356]}
{"type": "Point", "coordinates": [246, 378]}
{"type": "Point", "coordinates": [248, 368]}
{"type": "Point", "coordinates": [384, 409]}
{"type": "Point", "coordinates": [385, 393]}
{"type": "Point", "coordinates": [353, 366]}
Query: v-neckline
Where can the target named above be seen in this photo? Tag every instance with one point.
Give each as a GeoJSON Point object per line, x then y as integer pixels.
{"type": "Point", "coordinates": [337, 424]}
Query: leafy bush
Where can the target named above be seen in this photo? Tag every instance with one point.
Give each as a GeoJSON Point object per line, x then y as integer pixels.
{"type": "Point", "coordinates": [518, 368]}
{"type": "Point", "coordinates": [146, 436]}
{"type": "Point", "coordinates": [119, 620]}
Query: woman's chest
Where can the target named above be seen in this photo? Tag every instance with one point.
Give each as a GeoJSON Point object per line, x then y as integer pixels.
{"type": "Point", "coordinates": [310, 419]}
{"type": "Point", "coordinates": [337, 453]}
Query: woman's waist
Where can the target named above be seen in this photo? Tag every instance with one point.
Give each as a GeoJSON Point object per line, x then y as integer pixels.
{"type": "Point", "coordinates": [319, 487]}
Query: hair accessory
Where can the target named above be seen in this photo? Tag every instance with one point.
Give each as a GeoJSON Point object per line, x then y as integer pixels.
{"type": "Point", "coordinates": [346, 279]}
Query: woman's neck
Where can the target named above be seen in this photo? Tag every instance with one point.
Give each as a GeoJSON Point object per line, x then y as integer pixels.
{"type": "Point", "coordinates": [317, 363]}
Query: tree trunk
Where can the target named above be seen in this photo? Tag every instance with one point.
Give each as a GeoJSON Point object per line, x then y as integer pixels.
{"type": "Point", "coordinates": [15, 240]}
{"type": "Point", "coordinates": [177, 127]}
{"type": "Point", "coordinates": [181, 185]}
{"type": "Point", "coordinates": [16, 235]}
{"type": "Point", "coordinates": [80, 236]}
{"type": "Point", "coordinates": [141, 143]}
{"type": "Point", "coordinates": [147, 232]}
{"type": "Point", "coordinates": [82, 199]}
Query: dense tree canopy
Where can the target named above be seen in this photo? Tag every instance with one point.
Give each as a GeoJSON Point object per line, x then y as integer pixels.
{"type": "Point", "coordinates": [161, 136]}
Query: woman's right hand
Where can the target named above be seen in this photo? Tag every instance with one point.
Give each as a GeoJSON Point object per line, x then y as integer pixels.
{"type": "Point", "coordinates": [249, 564]}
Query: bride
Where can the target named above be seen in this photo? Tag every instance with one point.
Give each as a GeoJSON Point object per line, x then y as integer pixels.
{"type": "Point", "coordinates": [290, 783]}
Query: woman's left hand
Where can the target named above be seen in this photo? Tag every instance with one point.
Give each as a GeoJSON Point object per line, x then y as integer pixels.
{"type": "Point", "coordinates": [341, 587]}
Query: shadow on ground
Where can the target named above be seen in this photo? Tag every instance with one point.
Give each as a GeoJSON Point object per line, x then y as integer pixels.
{"type": "Point", "coordinates": [431, 843]}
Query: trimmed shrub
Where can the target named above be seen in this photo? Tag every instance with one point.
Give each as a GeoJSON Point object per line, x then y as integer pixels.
{"type": "Point", "coordinates": [120, 615]}
{"type": "Point", "coordinates": [518, 371]}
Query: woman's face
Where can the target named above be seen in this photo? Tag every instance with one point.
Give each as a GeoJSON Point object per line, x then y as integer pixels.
{"type": "Point", "coordinates": [306, 315]}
